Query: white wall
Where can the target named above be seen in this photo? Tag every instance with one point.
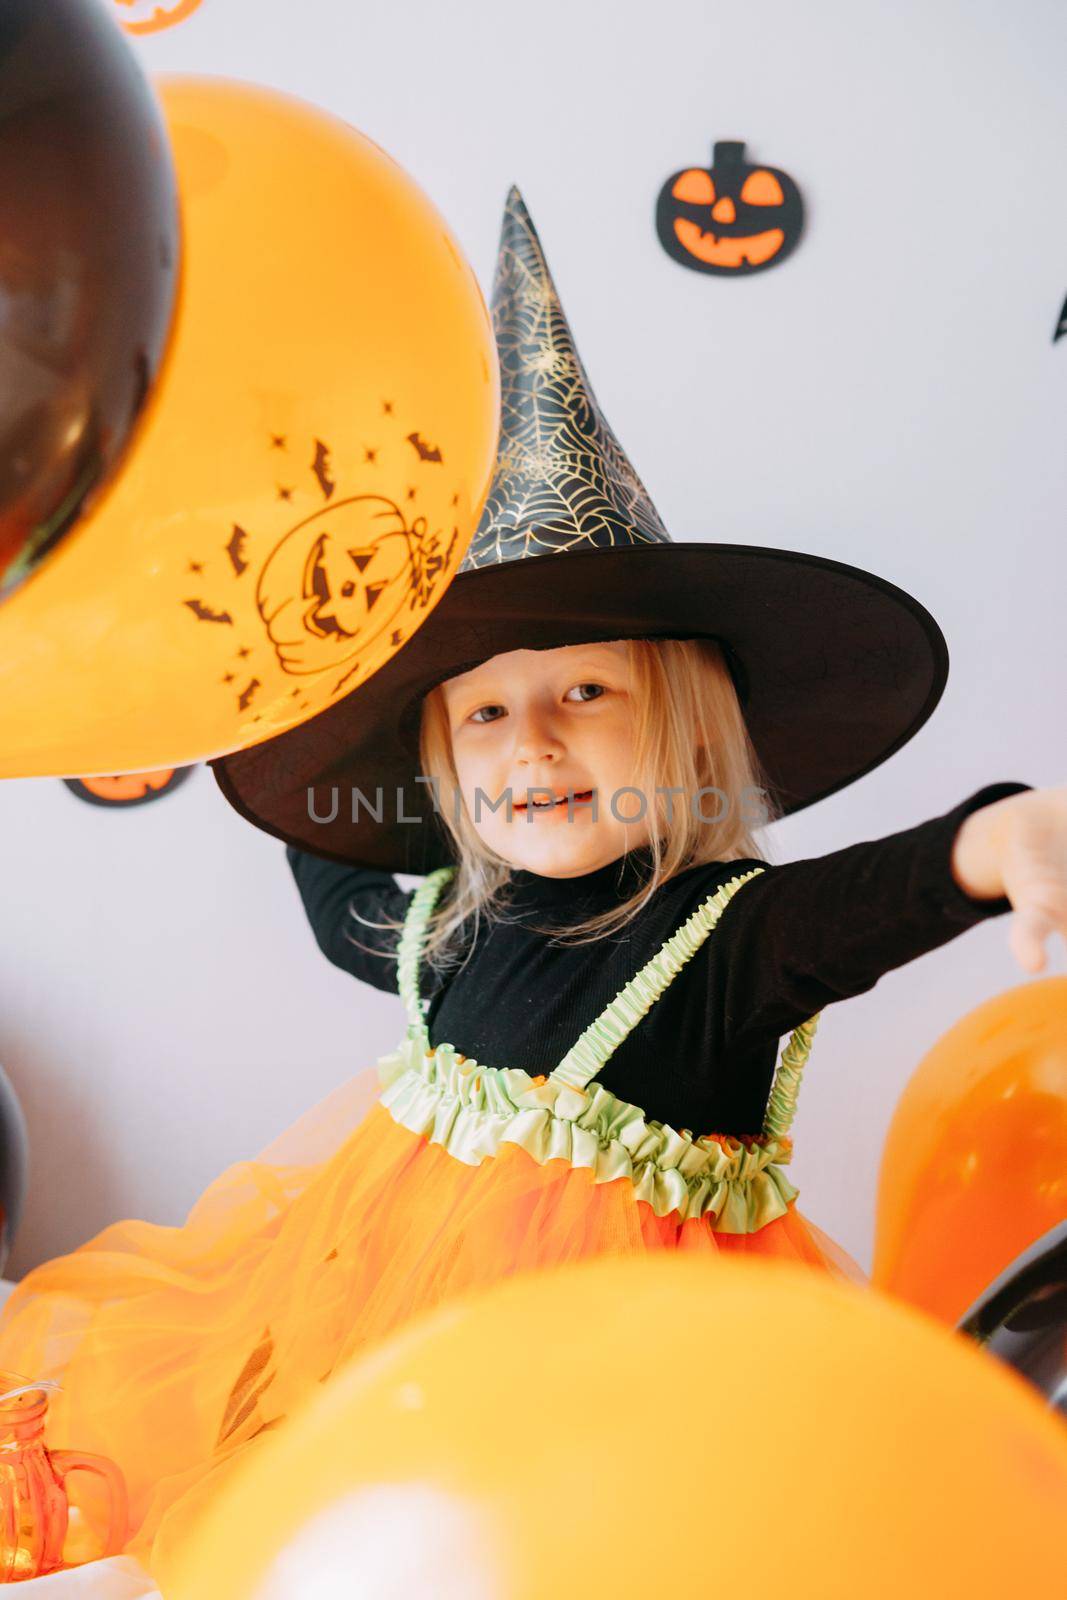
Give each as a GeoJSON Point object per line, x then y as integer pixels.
{"type": "Point", "coordinates": [889, 397]}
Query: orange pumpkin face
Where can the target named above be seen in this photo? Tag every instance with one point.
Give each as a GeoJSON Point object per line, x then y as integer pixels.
{"type": "Point", "coordinates": [338, 581]}
{"type": "Point", "coordinates": [730, 218]}
{"type": "Point", "coordinates": [128, 788]}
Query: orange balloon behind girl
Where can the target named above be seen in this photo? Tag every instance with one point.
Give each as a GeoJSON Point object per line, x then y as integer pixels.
{"type": "Point", "coordinates": [975, 1164]}
{"type": "Point", "coordinates": [306, 478]}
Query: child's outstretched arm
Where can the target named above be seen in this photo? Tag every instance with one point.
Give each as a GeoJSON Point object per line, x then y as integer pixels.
{"type": "Point", "coordinates": [340, 902]}
{"type": "Point", "coordinates": [807, 933]}
{"type": "Point", "coordinates": [1017, 848]}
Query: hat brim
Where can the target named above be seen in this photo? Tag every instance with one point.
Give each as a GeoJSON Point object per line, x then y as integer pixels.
{"type": "Point", "coordinates": [838, 669]}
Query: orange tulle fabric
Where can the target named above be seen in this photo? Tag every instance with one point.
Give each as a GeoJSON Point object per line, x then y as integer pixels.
{"type": "Point", "coordinates": [177, 1347]}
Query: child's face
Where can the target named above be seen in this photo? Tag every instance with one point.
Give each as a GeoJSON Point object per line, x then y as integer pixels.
{"type": "Point", "coordinates": [558, 719]}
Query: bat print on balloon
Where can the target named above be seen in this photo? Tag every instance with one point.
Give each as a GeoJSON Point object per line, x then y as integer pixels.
{"type": "Point", "coordinates": [343, 583]}
{"type": "Point", "coordinates": [732, 218]}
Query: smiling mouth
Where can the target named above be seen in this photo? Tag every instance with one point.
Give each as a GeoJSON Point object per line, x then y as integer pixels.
{"type": "Point", "coordinates": [578, 797]}
{"type": "Point", "coordinates": [722, 250]}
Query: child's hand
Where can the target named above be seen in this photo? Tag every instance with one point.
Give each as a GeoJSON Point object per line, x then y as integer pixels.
{"type": "Point", "coordinates": [1018, 847]}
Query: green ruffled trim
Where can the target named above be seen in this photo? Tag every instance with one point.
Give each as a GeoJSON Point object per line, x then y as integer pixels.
{"type": "Point", "coordinates": [471, 1110]}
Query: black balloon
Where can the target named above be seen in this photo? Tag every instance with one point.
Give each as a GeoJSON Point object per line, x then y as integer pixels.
{"type": "Point", "coordinates": [88, 265]}
{"type": "Point", "coordinates": [1022, 1317]}
{"type": "Point", "coordinates": [14, 1158]}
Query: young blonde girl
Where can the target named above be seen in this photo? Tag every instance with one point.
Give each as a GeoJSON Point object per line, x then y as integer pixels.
{"type": "Point", "coordinates": [595, 994]}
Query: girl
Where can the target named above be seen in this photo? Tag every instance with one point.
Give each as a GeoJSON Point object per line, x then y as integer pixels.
{"type": "Point", "coordinates": [598, 968]}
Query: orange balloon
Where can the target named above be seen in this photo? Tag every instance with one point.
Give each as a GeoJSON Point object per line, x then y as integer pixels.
{"type": "Point", "coordinates": [975, 1163]}
{"type": "Point", "coordinates": [639, 1427]}
{"type": "Point", "coordinates": [305, 481]}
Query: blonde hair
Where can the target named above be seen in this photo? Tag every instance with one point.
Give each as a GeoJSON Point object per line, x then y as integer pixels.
{"type": "Point", "coordinates": [689, 735]}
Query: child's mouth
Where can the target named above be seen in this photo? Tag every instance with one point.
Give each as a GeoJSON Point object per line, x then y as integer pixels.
{"type": "Point", "coordinates": [543, 804]}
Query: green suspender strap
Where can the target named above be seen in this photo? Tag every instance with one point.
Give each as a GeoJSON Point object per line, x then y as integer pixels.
{"type": "Point", "coordinates": [412, 939]}
{"type": "Point", "coordinates": [585, 1060]}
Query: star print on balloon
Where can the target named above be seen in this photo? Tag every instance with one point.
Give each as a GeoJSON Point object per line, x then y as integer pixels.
{"type": "Point", "coordinates": [732, 218]}
{"type": "Point", "coordinates": [350, 567]}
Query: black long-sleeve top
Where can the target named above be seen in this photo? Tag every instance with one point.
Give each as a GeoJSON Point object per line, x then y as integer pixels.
{"type": "Point", "coordinates": [791, 940]}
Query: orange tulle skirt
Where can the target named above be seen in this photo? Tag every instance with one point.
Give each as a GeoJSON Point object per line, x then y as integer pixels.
{"type": "Point", "coordinates": [177, 1347]}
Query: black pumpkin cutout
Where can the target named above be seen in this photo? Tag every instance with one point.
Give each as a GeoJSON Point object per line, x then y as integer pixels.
{"type": "Point", "coordinates": [731, 218]}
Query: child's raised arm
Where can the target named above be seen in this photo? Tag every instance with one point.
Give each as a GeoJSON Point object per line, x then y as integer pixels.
{"type": "Point", "coordinates": [807, 933]}
{"type": "Point", "coordinates": [335, 898]}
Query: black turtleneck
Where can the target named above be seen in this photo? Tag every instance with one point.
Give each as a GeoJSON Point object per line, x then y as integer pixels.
{"type": "Point", "coordinates": [791, 941]}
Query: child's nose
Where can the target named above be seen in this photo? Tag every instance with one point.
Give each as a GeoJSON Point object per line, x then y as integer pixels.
{"type": "Point", "coordinates": [531, 751]}
{"type": "Point", "coordinates": [536, 742]}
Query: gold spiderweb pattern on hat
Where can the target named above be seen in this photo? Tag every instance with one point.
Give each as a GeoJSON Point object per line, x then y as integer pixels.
{"type": "Point", "coordinates": [562, 480]}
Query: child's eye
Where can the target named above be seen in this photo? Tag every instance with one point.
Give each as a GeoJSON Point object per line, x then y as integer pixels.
{"type": "Point", "coordinates": [479, 715]}
{"type": "Point", "coordinates": [597, 689]}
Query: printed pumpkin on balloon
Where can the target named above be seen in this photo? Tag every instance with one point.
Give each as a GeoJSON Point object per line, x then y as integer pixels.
{"type": "Point", "coordinates": [733, 218]}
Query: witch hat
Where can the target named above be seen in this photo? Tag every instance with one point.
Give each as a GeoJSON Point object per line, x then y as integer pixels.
{"type": "Point", "coordinates": [835, 668]}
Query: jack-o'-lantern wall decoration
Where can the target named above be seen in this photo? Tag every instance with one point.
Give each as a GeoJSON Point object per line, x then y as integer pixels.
{"type": "Point", "coordinates": [128, 788]}
{"type": "Point", "coordinates": [152, 16]}
{"type": "Point", "coordinates": [732, 218]}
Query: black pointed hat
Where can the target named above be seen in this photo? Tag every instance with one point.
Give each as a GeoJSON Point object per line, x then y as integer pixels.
{"type": "Point", "coordinates": [835, 667]}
